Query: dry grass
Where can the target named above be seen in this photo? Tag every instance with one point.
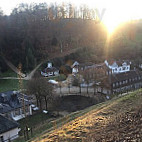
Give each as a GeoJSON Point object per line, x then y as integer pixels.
{"type": "Point", "coordinates": [119, 120]}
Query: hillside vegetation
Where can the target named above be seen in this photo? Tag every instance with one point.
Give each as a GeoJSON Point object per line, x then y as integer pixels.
{"type": "Point", "coordinates": [118, 120]}
{"type": "Point", "coordinates": [36, 32]}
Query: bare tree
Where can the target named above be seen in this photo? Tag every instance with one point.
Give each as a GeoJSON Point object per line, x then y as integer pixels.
{"type": "Point", "coordinates": [87, 77]}
{"type": "Point", "coordinates": [42, 91]}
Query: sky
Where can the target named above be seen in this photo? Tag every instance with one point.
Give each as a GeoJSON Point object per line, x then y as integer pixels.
{"type": "Point", "coordinates": [115, 11]}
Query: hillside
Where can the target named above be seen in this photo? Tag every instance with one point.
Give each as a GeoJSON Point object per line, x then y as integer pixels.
{"type": "Point", "coordinates": [118, 120]}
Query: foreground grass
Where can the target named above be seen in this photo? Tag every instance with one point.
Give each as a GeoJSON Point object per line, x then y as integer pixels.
{"type": "Point", "coordinates": [8, 74]}
{"type": "Point", "coordinates": [34, 120]}
{"type": "Point", "coordinates": [41, 127]}
{"type": "Point", "coordinates": [10, 84]}
{"type": "Point", "coordinates": [108, 121]}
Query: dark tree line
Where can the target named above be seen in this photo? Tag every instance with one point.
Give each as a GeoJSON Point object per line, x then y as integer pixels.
{"type": "Point", "coordinates": [34, 31]}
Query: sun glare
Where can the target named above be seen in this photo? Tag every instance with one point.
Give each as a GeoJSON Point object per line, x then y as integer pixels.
{"type": "Point", "coordinates": [111, 27]}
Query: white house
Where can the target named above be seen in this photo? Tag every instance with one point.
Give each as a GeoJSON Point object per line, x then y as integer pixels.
{"type": "Point", "coordinates": [75, 67]}
{"type": "Point", "coordinates": [50, 70]}
{"type": "Point", "coordinates": [116, 67]}
{"type": "Point", "coordinates": [8, 129]}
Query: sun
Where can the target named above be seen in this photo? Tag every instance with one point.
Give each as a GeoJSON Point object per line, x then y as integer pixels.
{"type": "Point", "coordinates": [111, 26]}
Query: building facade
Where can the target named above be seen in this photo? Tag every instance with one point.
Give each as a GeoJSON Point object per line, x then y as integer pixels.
{"type": "Point", "coordinates": [50, 71]}
{"type": "Point", "coordinates": [116, 67]}
{"type": "Point", "coordinates": [8, 129]}
{"type": "Point", "coordinates": [12, 107]}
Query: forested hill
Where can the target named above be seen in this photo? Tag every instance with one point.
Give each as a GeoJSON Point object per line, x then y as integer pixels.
{"type": "Point", "coordinates": [33, 32]}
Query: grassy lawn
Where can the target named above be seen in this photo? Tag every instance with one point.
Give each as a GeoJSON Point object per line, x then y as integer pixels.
{"type": "Point", "coordinates": [34, 120]}
{"type": "Point", "coordinates": [102, 122]}
{"type": "Point", "coordinates": [78, 122]}
{"type": "Point", "coordinates": [8, 74]}
{"type": "Point", "coordinates": [43, 124]}
{"type": "Point", "coordinates": [50, 125]}
{"type": "Point", "coordinates": [10, 84]}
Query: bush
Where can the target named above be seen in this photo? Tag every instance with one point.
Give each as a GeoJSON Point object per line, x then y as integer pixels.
{"type": "Point", "coordinates": [75, 82]}
{"type": "Point", "coordinates": [61, 77]}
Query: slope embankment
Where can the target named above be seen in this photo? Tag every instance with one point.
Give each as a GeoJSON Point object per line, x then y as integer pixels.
{"type": "Point", "coordinates": [117, 120]}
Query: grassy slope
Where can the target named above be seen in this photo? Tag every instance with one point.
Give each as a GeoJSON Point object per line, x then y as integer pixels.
{"type": "Point", "coordinates": [10, 84]}
{"type": "Point", "coordinates": [118, 119]}
{"type": "Point", "coordinates": [9, 73]}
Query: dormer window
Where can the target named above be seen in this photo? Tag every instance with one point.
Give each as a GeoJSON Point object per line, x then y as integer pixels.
{"type": "Point", "coordinates": [4, 97]}
{"type": "Point", "coordinates": [124, 68]}
{"type": "Point", "coordinates": [113, 84]}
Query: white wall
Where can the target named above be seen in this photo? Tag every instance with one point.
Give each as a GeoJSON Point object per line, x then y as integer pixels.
{"type": "Point", "coordinates": [12, 134]}
{"type": "Point", "coordinates": [74, 70]}
{"type": "Point", "coordinates": [120, 69]}
{"type": "Point", "coordinates": [56, 73]}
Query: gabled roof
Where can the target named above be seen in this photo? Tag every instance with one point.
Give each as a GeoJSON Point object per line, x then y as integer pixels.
{"type": "Point", "coordinates": [119, 63]}
{"type": "Point", "coordinates": [122, 77]}
{"type": "Point", "coordinates": [11, 100]}
{"type": "Point", "coordinates": [125, 76]}
{"type": "Point", "coordinates": [6, 124]}
{"type": "Point", "coordinates": [52, 69]}
{"type": "Point", "coordinates": [75, 64]}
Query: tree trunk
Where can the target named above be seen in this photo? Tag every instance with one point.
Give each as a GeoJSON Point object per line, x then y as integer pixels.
{"type": "Point", "coordinates": [69, 89]}
{"type": "Point", "coordinates": [37, 101]}
{"type": "Point", "coordinates": [40, 104]}
{"type": "Point", "coordinates": [80, 89]}
{"type": "Point", "coordinates": [61, 47]}
{"type": "Point", "coordinates": [60, 89]}
{"type": "Point", "coordinates": [45, 102]}
{"type": "Point", "coordinates": [94, 90]}
{"type": "Point", "coordinates": [87, 89]}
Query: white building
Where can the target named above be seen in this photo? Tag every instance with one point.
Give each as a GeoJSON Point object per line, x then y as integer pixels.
{"type": "Point", "coordinates": [8, 129]}
{"type": "Point", "coordinates": [75, 67]}
{"type": "Point", "coordinates": [50, 70]}
{"type": "Point", "coordinates": [116, 67]}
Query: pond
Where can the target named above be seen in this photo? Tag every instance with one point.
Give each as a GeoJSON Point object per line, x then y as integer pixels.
{"type": "Point", "coordinates": [73, 103]}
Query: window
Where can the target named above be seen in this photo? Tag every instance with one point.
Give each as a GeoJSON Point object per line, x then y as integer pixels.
{"type": "Point", "coordinates": [124, 68]}
{"type": "Point", "coordinates": [135, 78]}
{"type": "Point", "coordinates": [113, 84]}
